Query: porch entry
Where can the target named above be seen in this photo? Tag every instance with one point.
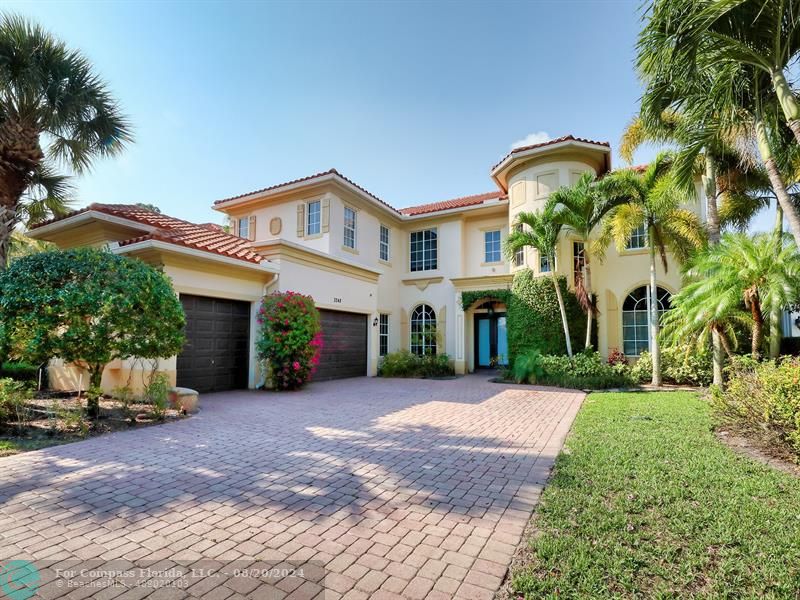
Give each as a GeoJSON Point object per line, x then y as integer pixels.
{"type": "Point", "coordinates": [491, 338]}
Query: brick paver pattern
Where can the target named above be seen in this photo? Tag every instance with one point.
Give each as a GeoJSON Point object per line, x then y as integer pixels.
{"type": "Point", "coordinates": [401, 488]}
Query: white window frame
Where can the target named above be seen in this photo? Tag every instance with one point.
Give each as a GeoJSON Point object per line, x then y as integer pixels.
{"type": "Point", "coordinates": [246, 222]}
{"type": "Point", "coordinates": [318, 221]}
{"type": "Point", "coordinates": [384, 253]}
{"type": "Point", "coordinates": [425, 258]}
{"type": "Point", "coordinates": [638, 239]}
{"type": "Point", "coordinates": [383, 334]}
{"type": "Point", "coordinates": [350, 229]}
{"type": "Point", "coordinates": [551, 268]}
{"type": "Point", "coordinates": [646, 310]}
{"type": "Point", "coordinates": [427, 339]}
{"type": "Point", "coordinates": [492, 255]}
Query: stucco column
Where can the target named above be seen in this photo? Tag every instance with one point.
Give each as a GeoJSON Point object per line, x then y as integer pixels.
{"type": "Point", "coordinates": [373, 349]}
{"type": "Point", "coordinates": [460, 357]}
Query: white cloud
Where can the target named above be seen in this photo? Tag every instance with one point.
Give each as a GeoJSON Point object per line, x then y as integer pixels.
{"type": "Point", "coordinates": [537, 137]}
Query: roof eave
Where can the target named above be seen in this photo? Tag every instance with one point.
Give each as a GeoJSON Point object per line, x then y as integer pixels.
{"type": "Point", "coordinates": [263, 266]}
{"type": "Point", "coordinates": [499, 171]}
{"type": "Point", "coordinates": [82, 218]}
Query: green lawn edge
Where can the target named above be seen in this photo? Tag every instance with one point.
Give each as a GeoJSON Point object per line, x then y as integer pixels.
{"type": "Point", "coordinates": [645, 502]}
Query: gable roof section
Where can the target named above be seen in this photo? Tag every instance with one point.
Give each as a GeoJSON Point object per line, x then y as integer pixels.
{"type": "Point", "coordinates": [461, 202]}
{"type": "Point", "coordinates": [330, 174]}
{"type": "Point", "coordinates": [171, 230]}
{"type": "Point", "coordinates": [565, 138]}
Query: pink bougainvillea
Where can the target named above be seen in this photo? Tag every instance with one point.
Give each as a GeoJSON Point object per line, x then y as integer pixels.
{"type": "Point", "coordinates": [290, 338]}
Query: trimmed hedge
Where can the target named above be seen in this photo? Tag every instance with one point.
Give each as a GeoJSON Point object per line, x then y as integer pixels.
{"type": "Point", "coordinates": [534, 320]}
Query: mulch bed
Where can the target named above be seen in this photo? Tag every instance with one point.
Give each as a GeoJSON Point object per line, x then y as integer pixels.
{"type": "Point", "coordinates": [56, 418]}
{"type": "Point", "coordinates": [760, 446]}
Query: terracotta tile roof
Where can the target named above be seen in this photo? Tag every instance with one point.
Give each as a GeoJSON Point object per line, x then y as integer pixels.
{"type": "Point", "coordinates": [565, 138]}
{"type": "Point", "coordinates": [454, 203]}
{"type": "Point", "coordinates": [207, 237]}
{"type": "Point", "coordinates": [308, 178]}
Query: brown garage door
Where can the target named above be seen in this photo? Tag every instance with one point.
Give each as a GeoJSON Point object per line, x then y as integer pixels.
{"type": "Point", "coordinates": [215, 356]}
{"type": "Point", "coordinates": [344, 345]}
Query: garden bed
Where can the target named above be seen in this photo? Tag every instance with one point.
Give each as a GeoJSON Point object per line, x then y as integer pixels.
{"type": "Point", "coordinates": [54, 418]}
{"type": "Point", "coordinates": [645, 502]}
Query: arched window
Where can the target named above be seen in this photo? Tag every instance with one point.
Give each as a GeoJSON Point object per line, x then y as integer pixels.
{"type": "Point", "coordinates": [423, 330]}
{"type": "Point", "coordinates": [636, 319]}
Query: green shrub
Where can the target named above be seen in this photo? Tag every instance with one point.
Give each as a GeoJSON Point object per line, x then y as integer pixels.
{"type": "Point", "coordinates": [534, 320]}
{"type": "Point", "coordinates": [435, 365]}
{"type": "Point", "coordinates": [290, 338]}
{"type": "Point", "coordinates": [680, 365]}
{"type": "Point", "coordinates": [584, 370]}
{"type": "Point", "coordinates": [528, 367]}
{"type": "Point", "coordinates": [763, 396]}
{"type": "Point", "coordinates": [21, 371]}
{"type": "Point", "coordinates": [406, 364]}
{"type": "Point", "coordinates": [156, 394]}
{"type": "Point", "coordinates": [13, 407]}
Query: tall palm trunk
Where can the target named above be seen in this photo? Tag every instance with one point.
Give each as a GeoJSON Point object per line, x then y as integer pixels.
{"type": "Point", "coordinates": [776, 311]}
{"type": "Point", "coordinates": [563, 310]}
{"type": "Point", "coordinates": [712, 219]}
{"type": "Point", "coordinates": [758, 326]}
{"type": "Point", "coordinates": [791, 109]}
{"type": "Point", "coordinates": [20, 155]}
{"type": "Point", "coordinates": [775, 179]}
{"type": "Point", "coordinates": [655, 350]}
{"type": "Point", "coordinates": [711, 191]}
{"type": "Point", "coordinates": [587, 282]}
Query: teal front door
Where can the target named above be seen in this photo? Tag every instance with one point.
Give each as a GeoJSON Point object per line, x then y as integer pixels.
{"type": "Point", "coordinates": [491, 340]}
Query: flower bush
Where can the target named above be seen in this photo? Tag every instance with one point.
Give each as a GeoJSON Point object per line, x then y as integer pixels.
{"type": "Point", "coordinates": [290, 338]}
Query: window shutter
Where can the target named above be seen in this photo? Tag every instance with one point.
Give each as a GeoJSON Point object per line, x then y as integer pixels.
{"type": "Point", "coordinates": [251, 229]}
{"type": "Point", "coordinates": [301, 219]}
{"type": "Point", "coordinates": [235, 227]}
{"type": "Point", "coordinates": [326, 214]}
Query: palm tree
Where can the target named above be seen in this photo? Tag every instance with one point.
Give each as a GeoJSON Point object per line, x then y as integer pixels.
{"type": "Point", "coordinates": [764, 35]}
{"type": "Point", "coordinates": [741, 270]}
{"type": "Point", "coordinates": [53, 108]}
{"type": "Point", "coordinates": [701, 45]}
{"type": "Point", "coordinates": [582, 208]}
{"type": "Point", "coordinates": [651, 199]}
{"type": "Point", "coordinates": [539, 230]}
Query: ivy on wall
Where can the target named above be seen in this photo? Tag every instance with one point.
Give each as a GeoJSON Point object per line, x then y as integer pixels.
{"type": "Point", "coordinates": [470, 298]}
{"type": "Point", "coordinates": [533, 318]}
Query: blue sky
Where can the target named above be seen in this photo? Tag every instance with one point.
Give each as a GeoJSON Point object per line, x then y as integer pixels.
{"type": "Point", "coordinates": [412, 100]}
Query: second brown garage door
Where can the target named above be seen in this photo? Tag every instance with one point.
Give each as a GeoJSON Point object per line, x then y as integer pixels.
{"type": "Point", "coordinates": [344, 345]}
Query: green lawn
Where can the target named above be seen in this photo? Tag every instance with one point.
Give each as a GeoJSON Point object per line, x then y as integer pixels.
{"type": "Point", "coordinates": [17, 445]}
{"type": "Point", "coordinates": [645, 502]}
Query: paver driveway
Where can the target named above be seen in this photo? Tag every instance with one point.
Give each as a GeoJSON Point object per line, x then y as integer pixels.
{"type": "Point", "coordinates": [400, 488]}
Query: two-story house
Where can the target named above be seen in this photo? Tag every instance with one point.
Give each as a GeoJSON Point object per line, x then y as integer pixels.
{"type": "Point", "coordinates": [384, 279]}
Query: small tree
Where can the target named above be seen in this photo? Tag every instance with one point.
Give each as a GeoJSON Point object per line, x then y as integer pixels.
{"type": "Point", "coordinates": [290, 338]}
{"type": "Point", "coordinates": [88, 307]}
{"type": "Point", "coordinates": [541, 233]}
